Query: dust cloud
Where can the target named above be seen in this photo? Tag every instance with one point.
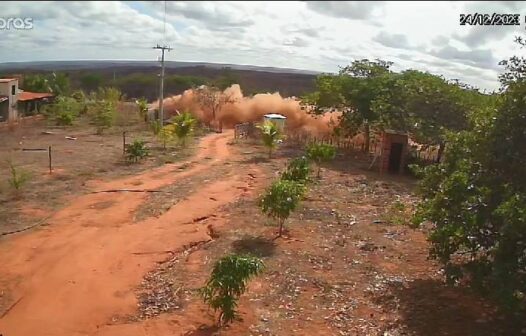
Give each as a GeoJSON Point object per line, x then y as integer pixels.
{"type": "Point", "coordinates": [252, 109]}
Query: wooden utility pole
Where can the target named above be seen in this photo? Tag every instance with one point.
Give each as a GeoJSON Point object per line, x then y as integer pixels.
{"type": "Point", "coordinates": [161, 91]}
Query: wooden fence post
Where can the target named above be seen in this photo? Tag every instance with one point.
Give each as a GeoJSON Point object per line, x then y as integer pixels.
{"type": "Point", "coordinates": [50, 164]}
{"type": "Point", "coordinates": [124, 142]}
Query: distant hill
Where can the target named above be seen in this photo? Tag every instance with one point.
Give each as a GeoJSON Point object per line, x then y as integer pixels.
{"type": "Point", "coordinates": [98, 64]}
{"type": "Point", "coordinates": [140, 78]}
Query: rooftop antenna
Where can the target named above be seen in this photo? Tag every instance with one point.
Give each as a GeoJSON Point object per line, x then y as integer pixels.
{"type": "Point", "coordinates": [163, 48]}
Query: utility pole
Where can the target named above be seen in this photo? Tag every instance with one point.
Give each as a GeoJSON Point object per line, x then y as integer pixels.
{"type": "Point", "coordinates": [161, 92]}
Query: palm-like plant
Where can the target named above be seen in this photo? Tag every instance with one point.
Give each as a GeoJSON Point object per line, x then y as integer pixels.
{"type": "Point", "coordinates": [166, 135]}
{"type": "Point", "coordinates": [270, 135]}
{"type": "Point", "coordinates": [142, 105]}
{"type": "Point", "coordinates": [183, 125]}
{"type": "Point", "coordinates": [228, 282]}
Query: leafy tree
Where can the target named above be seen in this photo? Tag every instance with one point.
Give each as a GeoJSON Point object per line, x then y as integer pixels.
{"type": "Point", "coordinates": [91, 81]}
{"type": "Point", "coordinates": [63, 111]}
{"type": "Point", "coordinates": [36, 83]}
{"type": "Point", "coordinates": [270, 135]}
{"type": "Point", "coordinates": [109, 94]}
{"type": "Point", "coordinates": [426, 106]}
{"type": "Point", "coordinates": [103, 115]}
{"type": "Point", "coordinates": [476, 197]}
{"type": "Point", "coordinates": [79, 96]}
{"type": "Point", "coordinates": [280, 199]}
{"type": "Point", "coordinates": [136, 151]}
{"type": "Point", "coordinates": [183, 126]}
{"type": "Point", "coordinates": [57, 83]}
{"type": "Point", "coordinates": [213, 100]}
{"type": "Point", "coordinates": [226, 80]}
{"type": "Point", "coordinates": [227, 282]}
{"type": "Point", "coordinates": [297, 170]}
{"type": "Point", "coordinates": [320, 153]}
{"type": "Point", "coordinates": [103, 106]}
{"type": "Point", "coordinates": [353, 92]}
{"type": "Point", "coordinates": [82, 100]}
{"type": "Point", "coordinates": [179, 83]}
{"type": "Point", "coordinates": [60, 83]}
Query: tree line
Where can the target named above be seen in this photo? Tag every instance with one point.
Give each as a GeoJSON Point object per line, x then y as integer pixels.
{"type": "Point", "coordinates": [370, 95]}
{"type": "Point", "coordinates": [134, 84]}
{"type": "Point", "coordinates": [473, 202]}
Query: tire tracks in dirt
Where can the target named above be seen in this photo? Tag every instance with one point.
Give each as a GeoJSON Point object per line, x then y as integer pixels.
{"type": "Point", "coordinates": [74, 275]}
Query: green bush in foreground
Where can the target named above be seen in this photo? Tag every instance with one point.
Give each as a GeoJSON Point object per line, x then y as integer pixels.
{"type": "Point", "coordinates": [136, 151]}
{"type": "Point", "coordinates": [18, 177]}
{"type": "Point", "coordinates": [320, 153]}
{"type": "Point", "coordinates": [297, 170]}
{"type": "Point", "coordinates": [270, 135]}
{"type": "Point", "coordinates": [227, 282]}
{"type": "Point", "coordinates": [280, 199]}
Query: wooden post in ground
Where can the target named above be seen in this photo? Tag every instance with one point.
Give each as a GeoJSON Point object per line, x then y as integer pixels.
{"type": "Point", "coordinates": [124, 142]}
{"type": "Point", "coordinates": [50, 164]}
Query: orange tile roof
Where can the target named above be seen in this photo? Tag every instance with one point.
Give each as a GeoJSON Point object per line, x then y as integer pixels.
{"type": "Point", "coordinates": [24, 95]}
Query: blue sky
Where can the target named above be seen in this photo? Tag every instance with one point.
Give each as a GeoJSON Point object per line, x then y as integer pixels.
{"type": "Point", "coordinates": [306, 35]}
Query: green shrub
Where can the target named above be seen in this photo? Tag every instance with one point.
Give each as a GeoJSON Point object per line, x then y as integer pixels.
{"type": "Point", "coordinates": [227, 282]}
{"type": "Point", "coordinates": [319, 153]}
{"type": "Point", "coordinates": [18, 177]}
{"type": "Point", "coordinates": [64, 111]}
{"type": "Point", "coordinates": [280, 199]}
{"type": "Point", "coordinates": [103, 115]}
{"type": "Point", "coordinates": [136, 151]}
{"type": "Point", "coordinates": [297, 170]}
{"type": "Point", "coordinates": [64, 118]}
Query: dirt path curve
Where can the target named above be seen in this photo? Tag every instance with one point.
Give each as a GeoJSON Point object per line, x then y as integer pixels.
{"type": "Point", "coordinates": [73, 276]}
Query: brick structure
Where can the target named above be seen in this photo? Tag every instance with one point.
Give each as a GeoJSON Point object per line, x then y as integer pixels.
{"type": "Point", "coordinates": [395, 147]}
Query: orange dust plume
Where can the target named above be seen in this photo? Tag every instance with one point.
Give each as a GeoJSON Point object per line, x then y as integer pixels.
{"type": "Point", "coordinates": [242, 109]}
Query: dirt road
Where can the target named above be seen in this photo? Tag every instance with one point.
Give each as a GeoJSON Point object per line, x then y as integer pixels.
{"type": "Point", "coordinates": [75, 275]}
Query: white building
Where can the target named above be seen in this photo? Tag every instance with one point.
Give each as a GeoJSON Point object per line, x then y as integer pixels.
{"type": "Point", "coordinates": [15, 103]}
{"type": "Point", "coordinates": [8, 99]}
{"type": "Point", "coordinates": [276, 119]}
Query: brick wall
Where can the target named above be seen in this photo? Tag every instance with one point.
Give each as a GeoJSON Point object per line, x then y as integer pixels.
{"type": "Point", "coordinates": [387, 140]}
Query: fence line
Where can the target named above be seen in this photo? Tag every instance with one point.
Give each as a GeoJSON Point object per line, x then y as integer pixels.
{"type": "Point", "coordinates": [422, 154]}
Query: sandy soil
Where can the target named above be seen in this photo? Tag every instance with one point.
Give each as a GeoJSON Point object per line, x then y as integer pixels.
{"type": "Point", "coordinates": [126, 263]}
{"type": "Point", "coordinates": [73, 276]}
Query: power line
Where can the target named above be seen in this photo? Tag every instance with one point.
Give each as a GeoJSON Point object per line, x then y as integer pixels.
{"type": "Point", "coordinates": [163, 49]}
{"type": "Point", "coordinates": [164, 24]}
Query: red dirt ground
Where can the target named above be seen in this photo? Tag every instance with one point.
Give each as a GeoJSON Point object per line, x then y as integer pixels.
{"type": "Point", "coordinates": [97, 270]}
{"type": "Point", "coordinates": [73, 276]}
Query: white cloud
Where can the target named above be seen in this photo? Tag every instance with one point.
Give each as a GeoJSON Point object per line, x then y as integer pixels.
{"type": "Point", "coordinates": [306, 35]}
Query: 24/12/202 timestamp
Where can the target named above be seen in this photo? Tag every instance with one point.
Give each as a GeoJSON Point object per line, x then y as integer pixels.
{"type": "Point", "coordinates": [490, 19]}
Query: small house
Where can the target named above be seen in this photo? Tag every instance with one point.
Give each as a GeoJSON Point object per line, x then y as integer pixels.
{"type": "Point", "coordinates": [8, 99]}
{"type": "Point", "coordinates": [395, 147]}
{"type": "Point", "coordinates": [15, 103]}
